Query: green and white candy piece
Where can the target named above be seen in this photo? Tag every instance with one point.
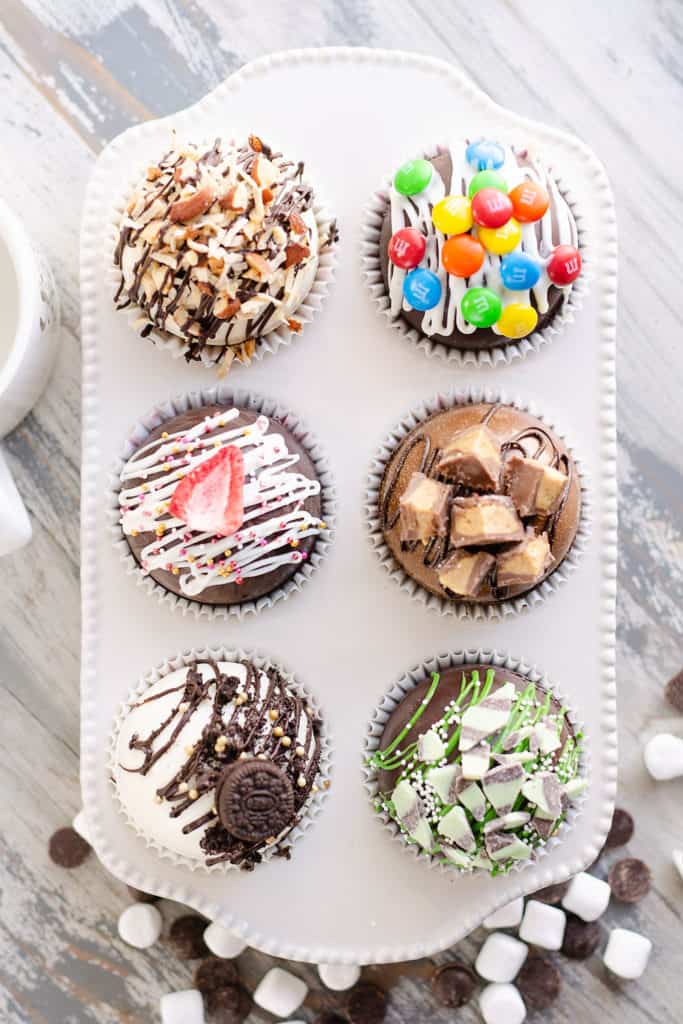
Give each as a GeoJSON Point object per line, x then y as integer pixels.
{"type": "Point", "coordinates": [506, 846]}
{"type": "Point", "coordinates": [457, 857]}
{"type": "Point", "coordinates": [543, 824]}
{"type": "Point", "coordinates": [502, 786]}
{"type": "Point", "coordinates": [408, 808]}
{"type": "Point", "coordinates": [517, 736]}
{"type": "Point", "coordinates": [430, 747]}
{"type": "Point", "coordinates": [508, 822]}
{"type": "Point", "coordinates": [517, 757]}
{"type": "Point", "coordinates": [545, 738]}
{"type": "Point", "coordinates": [455, 826]}
{"type": "Point", "coordinates": [575, 787]}
{"type": "Point", "coordinates": [545, 790]}
{"type": "Point", "coordinates": [470, 796]}
{"type": "Point", "coordinates": [443, 782]}
{"type": "Point", "coordinates": [482, 860]}
{"type": "Point", "coordinates": [481, 720]}
{"type": "Point", "coordinates": [475, 762]}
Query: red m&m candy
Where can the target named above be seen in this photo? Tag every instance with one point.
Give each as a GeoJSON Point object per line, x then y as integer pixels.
{"type": "Point", "coordinates": [462, 255]}
{"type": "Point", "coordinates": [529, 201]}
{"type": "Point", "coordinates": [564, 265]}
{"type": "Point", "coordinates": [491, 208]}
{"type": "Point", "coordinates": [406, 248]}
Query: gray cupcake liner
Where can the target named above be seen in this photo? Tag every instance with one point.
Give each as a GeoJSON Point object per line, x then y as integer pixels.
{"type": "Point", "coordinates": [403, 686]}
{"type": "Point", "coordinates": [311, 808]}
{"type": "Point", "coordinates": [502, 354]}
{"type": "Point", "coordinates": [464, 609]}
{"type": "Point", "coordinates": [222, 394]}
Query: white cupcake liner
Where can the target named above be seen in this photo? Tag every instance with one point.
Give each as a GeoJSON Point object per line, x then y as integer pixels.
{"type": "Point", "coordinates": [310, 810]}
{"type": "Point", "coordinates": [502, 354]}
{"type": "Point", "coordinates": [266, 343]}
{"type": "Point", "coordinates": [464, 609]}
{"type": "Point", "coordinates": [222, 394]}
{"type": "Point", "coordinates": [440, 663]}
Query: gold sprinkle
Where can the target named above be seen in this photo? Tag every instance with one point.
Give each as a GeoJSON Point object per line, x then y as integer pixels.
{"type": "Point", "coordinates": [286, 741]}
{"type": "Point", "coordinates": [278, 731]}
{"type": "Point", "coordinates": [326, 784]}
{"type": "Point", "coordinates": [270, 840]}
{"type": "Point", "coordinates": [191, 559]}
{"type": "Point", "coordinates": [134, 533]}
{"type": "Point", "coordinates": [175, 570]}
{"type": "Point", "coordinates": [209, 561]}
{"type": "Point", "coordinates": [193, 794]}
{"type": "Point", "coordinates": [164, 435]}
{"type": "Point", "coordinates": [314, 789]}
{"type": "Point", "coordinates": [272, 714]}
{"type": "Point", "coordinates": [261, 757]}
{"type": "Point", "coordinates": [243, 756]}
{"type": "Point", "coordinates": [189, 751]}
{"type": "Point", "coordinates": [241, 698]}
{"type": "Point", "coordinates": [301, 781]}
{"type": "Point", "coordinates": [322, 525]}
{"type": "Point", "coordinates": [158, 800]}
{"type": "Point", "coordinates": [227, 552]}
{"type": "Point", "coordinates": [299, 751]}
{"type": "Point", "coordinates": [185, 706]}
{"type": "Point", "coordinates": [183, 787]}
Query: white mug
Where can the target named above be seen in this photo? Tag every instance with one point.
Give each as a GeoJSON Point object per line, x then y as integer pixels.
{"type": "Point", "coordinates": [29, 336]}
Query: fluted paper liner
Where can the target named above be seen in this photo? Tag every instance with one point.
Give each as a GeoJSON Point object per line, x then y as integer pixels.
{"type": "Point", "coordinates": [502, 354]}
{"type": "Point", "coordinates": [440, 663]}
{"type": "Point", "coordinates": [310, 810]}
{"type": "Point", "coordinates": [464, 609]}
{"type": "Point", "coordinates": [221, 394]}
{"type": "Point", "coordinates": [270, 342]}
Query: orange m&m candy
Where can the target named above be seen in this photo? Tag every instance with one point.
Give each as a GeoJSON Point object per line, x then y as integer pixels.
{"type": "Point", "coordinates": [462, 255]}
{"type": "Point", "coordinates": [529, 201]}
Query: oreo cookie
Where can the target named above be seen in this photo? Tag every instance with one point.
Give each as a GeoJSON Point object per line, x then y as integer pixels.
{"type": "Point", "coordinates": [674, 692]}
{"type": "Point", "coordinates": [228, 1005]}
{"type": "Point", "coordinates": [186, 936]}
{"type": "Point", "coordinates": [621, 830]}
{"type": "Point", "coordinates": [539, 982]}
{"type": "Point", "coordinates": [255, 800]}
{"type": "Point", "coordinates": [581, 938]}
{"type": "Point", "coordinates": [553, 894]}
{"type": "Point", "coordinates": [630, 880]}
{"type": "Point", "coordinates": [67, 849]}
{"type": "Point", "coordinates": [141, 897]}
{"type": "Point", "coordinates": [367, 1004]}
{"type": "Point", "coordinates": [453, 985]}
{"type": "Point", "coordinates": [215, 973]}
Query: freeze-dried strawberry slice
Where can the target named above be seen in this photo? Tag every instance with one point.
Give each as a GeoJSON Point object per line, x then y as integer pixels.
{"type": "Point", "coordinates": [210, 499]}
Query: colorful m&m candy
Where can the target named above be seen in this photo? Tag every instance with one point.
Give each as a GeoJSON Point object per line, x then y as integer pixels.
{"type": "Point", "coordinates": [564, 265]}
{"type": "Point", "coordinates": [406, 248]}
{"type": "Point", "coordinates": [501, 240]}
{"type": "Point", "coordinates": [422, 289]}
{"type": "Point", "coordinates": [413, 177]}
{"type": "Point", "coordinates": [453, 215]}
{"type": "Point", "coordinates": [462, 255]}
{"type": "Point", "coordinates": [491, 208]}
{"type": "Point", "coordinates": [485, 155]}
{"type": "Point", "coordinates": [486, 179]}
{"type": "Point", "coordinates": [517, 320]}
{"type": "Point", "coordinates": [481, 307]}
{"type": "Point", "coordinates": [529, 201]}
{"type": "Point", "coordinates": [519, 271]}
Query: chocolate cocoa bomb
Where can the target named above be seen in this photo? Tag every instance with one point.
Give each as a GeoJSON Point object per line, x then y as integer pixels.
{"type": "Point", "coordinates": [419, 451]}
{"type": "Point", "coordinates": [253, 587]}
{"type": "Point", "coordinates": [482, 337]}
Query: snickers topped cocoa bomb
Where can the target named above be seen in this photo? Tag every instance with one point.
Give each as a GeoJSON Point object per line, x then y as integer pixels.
{"type": "Point", "coordinates": [480, 503]}
{"type": "Point", "coordinates": [217, 247]}
{"type": "Point", "coordinates": [478, 245]}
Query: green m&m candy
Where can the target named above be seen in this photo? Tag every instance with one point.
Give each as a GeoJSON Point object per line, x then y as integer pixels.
{"type": "Point", "coordinates": [481, 307]}
{"type": "Point", "coordinates": [413, 177]}
{"type": "Point", "coordinates": [487, 179]}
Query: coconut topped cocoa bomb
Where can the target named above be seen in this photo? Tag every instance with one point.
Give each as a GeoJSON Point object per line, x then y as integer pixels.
{"type": "Point", "coordinates": [221, 505]}
{"type": "Point", "coordinates": [218, 247]}
{"type": "Point", "coordinates": [217, 760]}
{"type": "Point", "coordinates": [480, 503]}
{"type": "Point", "coordinates": [478, 245]}
{"type": "Point", "coordinates": [478, 766]}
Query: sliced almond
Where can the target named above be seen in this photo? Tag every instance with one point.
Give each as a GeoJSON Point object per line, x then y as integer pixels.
{"type": "Point", "coordinates": [245, 351]}
{"type": "Point", "coordinates": [185, 171]}
{"type": "Point", "coordinates": [153, 173]}
{"type": "Point", "coordinates": [194, 205]}
{"type": "Point", "coordinates": [235, 199]}
{"type": "Point", "coordinates": [224, 307]}
{"type": "Point", "coordinates": [255, 143]}
{"type": "Point", "coordinates": [263, 171]}
{"type": "Point", "coordinates": [259, 263]}
{"type": "Point", "coordinates": [205, 289]}
{"type": "Point", "coordinates": [267, 195]}
{"type": "Point", "coordinates": [297, 223]}
{"type": "Point", "coordinates": [150, 232]}
{"type": "Point", "coordinates": [295, 253]}
{"type": "Point", "coordinates": [216, 265]}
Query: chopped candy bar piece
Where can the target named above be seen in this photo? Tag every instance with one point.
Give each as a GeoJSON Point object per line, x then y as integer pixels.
{"type": "Point", "coordinates": [515, 819]}
{"type": "Point", "coordinates": [472, 458]}
{"type": "Point", "coordinates": [470, 796]}
{"type": "Point", "coordinates": [506, 846]}
{"type": "Point", "coordinates": [545, 738]}
{"type": "Point", "coordinates": [424, 509]}
{"type": "Point", "coordinates": [502, 786]}
{"type": "Point", "coordinates": [517, 757]}
{"type": "Point", "coordinates": [475, 762]}
{"type": "Point", "coordinates": [490, 715]}
{"type": "Point", "coordinates": [456, 856]}
{"type": "Point", "coordinates": [430, 746]}
{"type": "Point", "coordinates": [455, 826]}
{"type": "Point", "coordinates": [545, 790]}
{"type": "Point", "coordinates": [513, 739]}
{"type": "Point", "coordinates": [525, 563]}
{"type": "Point", "coordinates": [443, 781]}
{"type": "Point", "coordinates": [409, 812]}
{"type": "Point", "coordinates": [544, 826]}
{"type": "Point", "coordinates": [464, 572]}
{"type": "Point", "coordinates": [485, 519]}
{"type": "Point", "coordinates": [536, 489]}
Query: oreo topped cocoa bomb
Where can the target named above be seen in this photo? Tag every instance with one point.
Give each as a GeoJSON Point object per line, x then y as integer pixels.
{"type": "Point", "coordinates": [216, 761]}
{"type": "Point", "coordinates": [221, 505]}
{"type": "Point", "coordinates": [478, 246]}
{"type": "Point", "coordinates": [479, 503]}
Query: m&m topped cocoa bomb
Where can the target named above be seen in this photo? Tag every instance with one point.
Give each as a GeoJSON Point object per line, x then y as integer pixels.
{"type": "Point", "coordinates": [478, 246]}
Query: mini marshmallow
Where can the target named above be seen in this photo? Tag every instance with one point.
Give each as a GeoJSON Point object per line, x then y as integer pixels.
{"type": "Point", "coordinates": [338, 977]}
{"type": "Point", "coordinates": [80, 825]}
{"type": "Point", "coordinates": [587, 897]}
{"type": "Point", "coordinates": [500, 958]}
{"type": "Point", "coordinates": [502, 1004]}
{"type": "Point", "coordinates": [140, 925]}
{"type": "Point", "coordinates": [508, 916]}
{"type": "Point", "coordinates": [677, 858]}
{"type": "Point", "coordinates": [543, 925]}
{"type": "Point", "coordinates": [627, 953]}
{"type": "Point", "coordinates": [222, 942]}
{"type": "Point", "coordinates": [186, 1007]}
{"type": "Point", "coordinates": [280, 992]}
{"type": "Point", "coordinates": [663, 756]}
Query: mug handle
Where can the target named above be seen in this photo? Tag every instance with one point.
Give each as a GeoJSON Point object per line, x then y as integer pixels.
{"type": "Point", "coordinates": [15, 525]}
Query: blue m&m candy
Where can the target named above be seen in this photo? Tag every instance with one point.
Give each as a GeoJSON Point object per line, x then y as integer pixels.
{"type": "Point", "coordinates": [519, 271]}
{"type": "Point", "coordinates": [422, 289]}
{"type": "Point", "coordinates": [485, 155]}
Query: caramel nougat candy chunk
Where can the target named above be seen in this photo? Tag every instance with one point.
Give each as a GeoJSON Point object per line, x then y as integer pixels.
{"type": "Point", "coordinates": [525, 563]}
{"type": "Point", "coordinates": [536, 489]}
{"type": "Point", "coordinates": [484, 519]}
{"type": "Point", "coordinates": [472, 458]}
{"type": "Point", "coordinates": [464, 572]}
{"type": "Point", "coordinates": [423, 509]}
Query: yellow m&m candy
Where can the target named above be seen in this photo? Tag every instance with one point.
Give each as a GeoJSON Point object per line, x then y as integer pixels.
{"type": "Point", "coordinates": [517, 320]}
{"type": "Point", "coordinates": [501, 240]}
{"type": "Point", "coordinates": [453, 215]}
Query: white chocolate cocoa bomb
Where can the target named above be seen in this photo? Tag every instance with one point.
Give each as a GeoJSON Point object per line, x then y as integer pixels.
{"type": "Point", "coordinates": [137, 793]}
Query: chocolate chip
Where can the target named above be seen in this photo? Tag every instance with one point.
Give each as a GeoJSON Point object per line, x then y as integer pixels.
{"type": "Point", "coordinates": [228, 1005]}
{"type": "Point", "coordinates": [141, 897]}
{"type": "Point", "coordinates": [539, 982]}
{"type": "Point", "coordinates": [329, 1018]}
{"type": "Point", "coordinates": [621, 829]}
{"type": "Point", "coordinates": [453, 984]}
{"type": "Point", "coordinates": [187, 937]}
{"type": "Point", "coordinates": [255, 800]}
{"type": "Point", "coordinates": [68, 849]}
{"type": "Point", "coordinates": [581, 938]}
{"type": "Point", "coordinates": [215, 973]}
{"type": "Point", "coordinates": [367, 1004]}
{"type": "Point", "coordinates": [629, 880]}
{"type": "Point", "coordinates": [553, 894]}
{"type": "Point", "coordinates": [674, 692]}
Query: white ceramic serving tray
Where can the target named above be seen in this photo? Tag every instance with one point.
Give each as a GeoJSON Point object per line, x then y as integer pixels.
{"type": "Point", "coordinates": [349, 893]}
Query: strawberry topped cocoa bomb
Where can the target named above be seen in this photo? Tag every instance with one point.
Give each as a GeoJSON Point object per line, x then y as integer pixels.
{"type": "Point", "coordinates": [221, 505]}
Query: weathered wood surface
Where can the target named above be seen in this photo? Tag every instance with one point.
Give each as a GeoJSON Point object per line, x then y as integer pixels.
{"type": "Point", "coordinates": [74, 73]}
